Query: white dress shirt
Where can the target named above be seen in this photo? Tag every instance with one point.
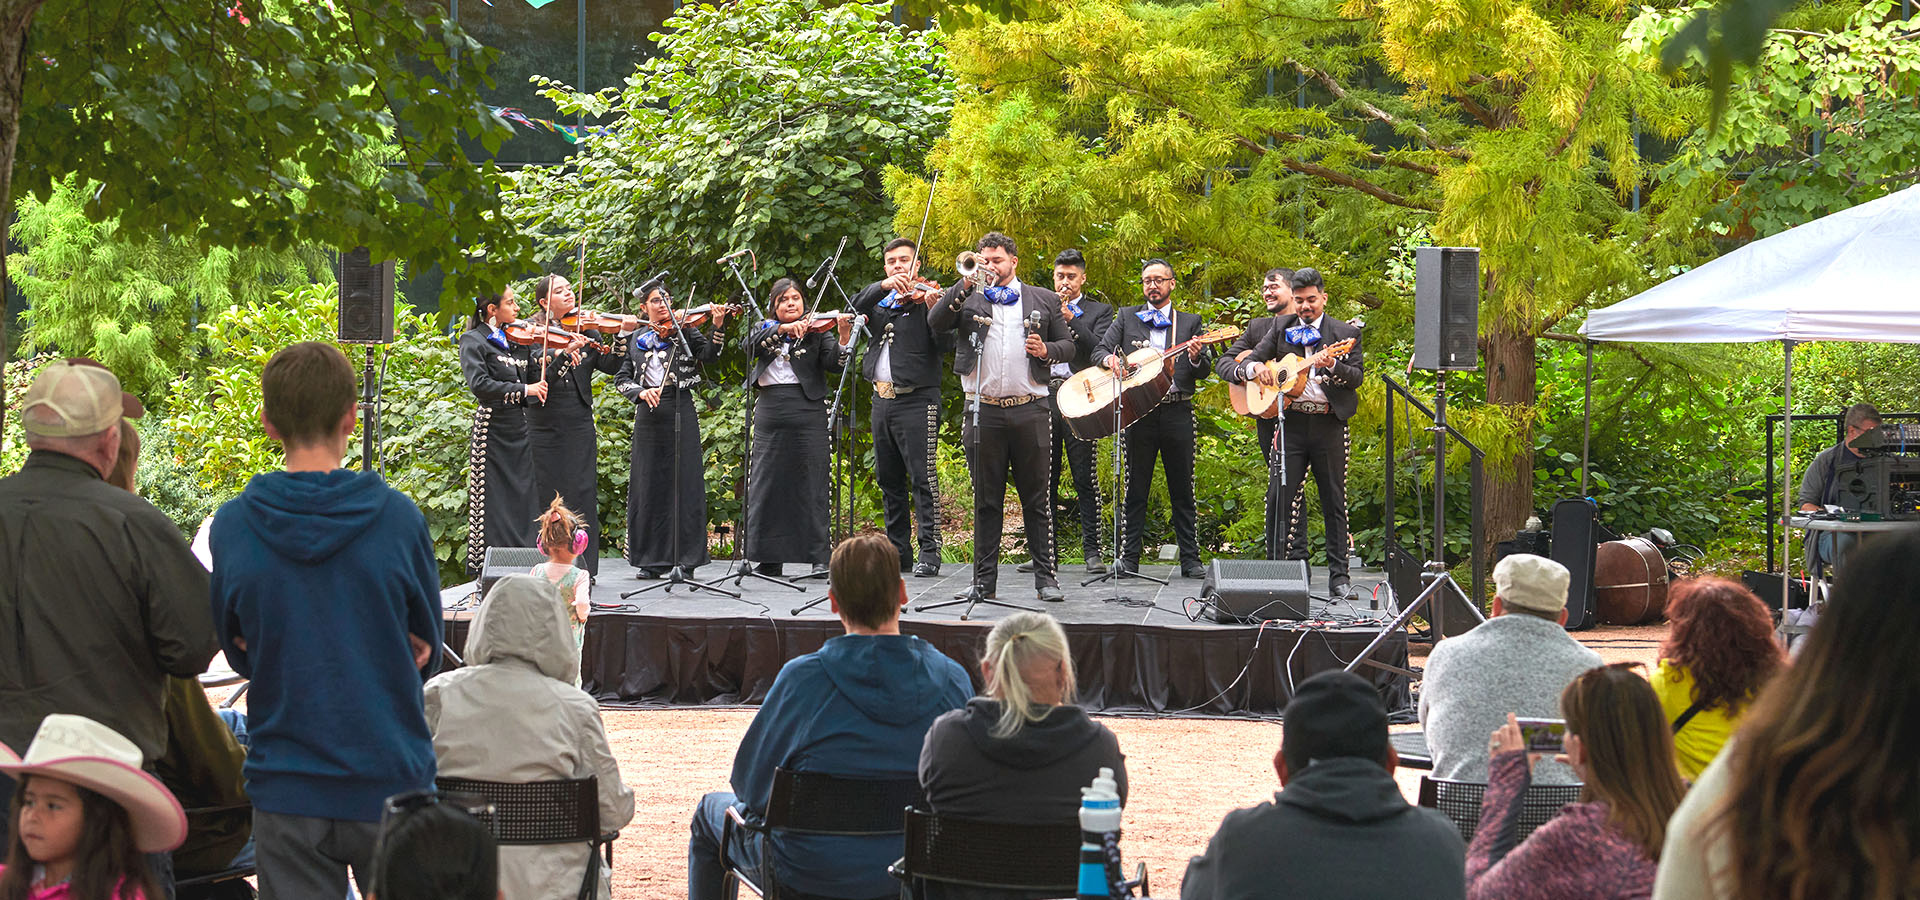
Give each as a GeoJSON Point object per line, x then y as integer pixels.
{"type": "Point", "coordinates": [1002, 364]}
{"type": "Point", "coordinates": [1313, 392]}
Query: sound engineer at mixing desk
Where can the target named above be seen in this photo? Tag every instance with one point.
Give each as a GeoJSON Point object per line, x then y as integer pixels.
{"type": "Point", "coordinates": [1820, 488]}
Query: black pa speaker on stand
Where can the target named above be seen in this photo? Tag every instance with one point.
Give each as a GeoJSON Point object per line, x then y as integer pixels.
{"type": "Point", "coordinates": [366, 317]}
{"type": "Point", "coordinates": [1446, 309]}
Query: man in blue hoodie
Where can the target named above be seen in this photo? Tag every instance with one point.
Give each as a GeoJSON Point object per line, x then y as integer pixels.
{"type": "Point", "coordinates": [859, 707]}
{"type": "Point", "coordinates": [326, 594]}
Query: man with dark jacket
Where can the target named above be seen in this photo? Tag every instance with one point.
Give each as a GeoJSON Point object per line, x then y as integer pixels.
{"type": "Point", "coordinates": [1276, 290]}
{"type": "Point", "coordinates": [102, 599]}
{"type": "Point", "coordinates": [858, 707]}
{"type": "Point", "coordinates": [1087, 319]}
{"type": "Point", "coordinates": [1337, 811]}
{"type": "Point", "coordinates": [1166, 432]}
{"type": "Point", "coordinates": [903, 363]}
{"type": "Point", "coordinates": [326, 594]}
{"type": "Point", "coordinates": [1315, 435]}
{"type": "Point", "coordinates": [1009, 336]}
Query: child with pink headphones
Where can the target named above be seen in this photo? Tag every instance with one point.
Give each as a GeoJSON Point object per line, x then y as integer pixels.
{"type": "Point", "coordinates": [563, 535]}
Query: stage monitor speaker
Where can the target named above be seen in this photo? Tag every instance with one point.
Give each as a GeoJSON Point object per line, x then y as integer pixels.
{"type": "Point", "coordinates": [1576, 542]}
{"type": "Point", "coordinates": [1256, 590]}
{"type": "Point", "coordinates": [1446, 309]}
{"type": "Point", "coordinates": [503, 561]}
{"type": "Point", "coordinates": [366, 298]}
{"type": "Point", "coordinates": [1767, 586]}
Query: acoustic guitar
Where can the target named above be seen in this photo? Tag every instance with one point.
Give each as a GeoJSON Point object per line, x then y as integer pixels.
{"type": "Point", "coordinates": [1290, 378]}
{"type": "Point", "coordinates": [1088, 399]}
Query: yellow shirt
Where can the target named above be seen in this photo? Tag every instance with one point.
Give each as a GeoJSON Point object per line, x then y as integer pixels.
{"type": "Point", "coordinates": [1697, 744]}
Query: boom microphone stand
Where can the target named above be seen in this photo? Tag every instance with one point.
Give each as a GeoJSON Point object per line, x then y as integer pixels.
{"type": "Point", "coordinates": [678, 574]}
{"type": "Point", "coordinates": [1115, 572]}
{"type": "Point", "coordinates": [746, 568]}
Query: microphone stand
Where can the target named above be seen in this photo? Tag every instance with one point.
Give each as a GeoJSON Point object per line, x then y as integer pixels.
{"type": "Point", "coordinates": [1115, 572]}
{"type": "Point", "coordinates": [974, 596]}
{"type": "Point", "coordinates": [678, 575]}
{"type": "Point", "coordinates": [745, 568]}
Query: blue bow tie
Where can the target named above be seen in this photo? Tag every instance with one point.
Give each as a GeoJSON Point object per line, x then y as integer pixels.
{"type": "Point", "coordinates": [1155, 317]}
{"type": "Point", "coordinates": [891, 300]}
{"type": "Point", "coordinates": [1077, 311]}
{"type": "Point", "coordinates": [649, 340]}
{"type": "Point", "coordinates": [499, 337]}
{"type": "Point", "coordinates": [1303, 335]}
{"type": "Point", "coordinates": [769, 323]}
{"type": "Point", "coordinates": [1003, 295]}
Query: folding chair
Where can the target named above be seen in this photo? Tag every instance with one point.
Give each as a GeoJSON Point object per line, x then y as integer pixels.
{"type": "Point", "coordinates": [559, 811]}
{"type": "Point", "coordinates": [1460, 801]}
{"type": "Point", "coordinates": [817, 803]}
{"type": "Point", "coordinates": [1013, 858]}
{"type": "Point", "coordinates": [214, 884]}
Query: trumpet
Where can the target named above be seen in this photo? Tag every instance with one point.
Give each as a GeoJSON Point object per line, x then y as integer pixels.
{"type": "Point", "coordinates": [968, 265]}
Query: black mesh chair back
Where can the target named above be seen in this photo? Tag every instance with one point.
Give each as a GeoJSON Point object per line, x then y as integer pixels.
{"type": "Point", "coordinates": [981, 854]}
{"type": "Point", "coordinates": [1460, 802]}
{"type": "Point", "coordinates": [815, 803]}
{"type": "Point", "coordinates": [560, 811]}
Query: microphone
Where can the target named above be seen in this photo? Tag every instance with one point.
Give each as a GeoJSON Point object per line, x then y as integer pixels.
{"type": "Point", "coordinates": [827, 265]}
{"type": "Point", "coordinates": [1034, 320]}
{"type": "Point", "coordinates": [734, 255]}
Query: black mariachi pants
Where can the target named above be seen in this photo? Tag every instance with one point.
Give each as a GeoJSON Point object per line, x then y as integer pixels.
{"type": "Point", "coordinates": [1317, 442]}
{"type": "Point", "coordinates": [904, 431]}
{"type": "Point", "coordinates": [1166, 432]}
{"type": "Point", "coordinates": [1079, 454]}
{"type": "Point", "coordinates": [1017, 439]}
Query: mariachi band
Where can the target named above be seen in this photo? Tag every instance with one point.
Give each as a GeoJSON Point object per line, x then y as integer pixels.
{"type": "Point", "coordinates": [1045, 374]}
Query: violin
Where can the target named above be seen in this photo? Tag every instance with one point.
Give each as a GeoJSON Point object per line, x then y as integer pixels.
{"type": "Point", "coordinates": [695, 317]}
{"type": "Point", "coordinates": [820, 322]}
{"type": "Point", "coordinates": [527, 334]}
{"type": "Point", "coordinates": [603, 321]}
{"type": "Point", "coordinates": [925, 290]}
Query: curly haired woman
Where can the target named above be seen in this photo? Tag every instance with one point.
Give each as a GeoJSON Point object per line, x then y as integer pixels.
{"type": "Point", "coordinates": [1718, 655]}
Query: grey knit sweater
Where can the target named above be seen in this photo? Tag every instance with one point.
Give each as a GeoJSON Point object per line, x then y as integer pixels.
{"type": "Point", "coordinates": [1514, 663]}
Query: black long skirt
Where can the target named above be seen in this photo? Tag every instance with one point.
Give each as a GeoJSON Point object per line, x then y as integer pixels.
{"type": "Point", "coordinates": [564, 462]}
{"type": "Point", "coordinates": [787, 499]}
{"type": "Point", "coordinates": [652, 518]}
{"type": "Point", "coordinates": [499, 483]}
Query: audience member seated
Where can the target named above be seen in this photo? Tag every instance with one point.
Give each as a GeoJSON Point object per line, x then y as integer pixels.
{"type": "Point", "coordinates": [1022, 752]}
{"type": "Point", "coordinates": [1516, 662]}
{"type": "Point", "coordinates": [1606, 845]}
{"type": "Point", "coordinates": [83, 816]}
{"type": "Point", "coordinates": [1339, 828]}
{"type": "Point", "coordinates": [326, 593]}
{"type": "Point", "coordinates": [1818, 795]}
{"type": "Point", "coordinates": [1718, 654]}
{"type": "Point", "coordinates": [430, 848]}
{"type": "Point", "coordinates": [858, 707]}
{"type": "Point", "coordinates": [513, 714]}
{"type": "Point", "coordinates": [103, 598]}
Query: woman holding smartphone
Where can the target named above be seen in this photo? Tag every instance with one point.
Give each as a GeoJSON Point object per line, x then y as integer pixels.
{"type": "Point", "coordinates": [1607, 845]}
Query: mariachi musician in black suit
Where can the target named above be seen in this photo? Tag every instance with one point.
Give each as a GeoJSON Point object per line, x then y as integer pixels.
{"type": "Point", "coordinates": [1276, 290]}
{"type": "Point", "coordinates": [903, 363]}
{"type": "Point", "coordinates": [565, 442]}
{"type": "Point", "coordinates": [1167, 430]}
{"type": "Point", "coordinates": [1088, 319]}
{"type": "Point", "coordinates": [787, 493]}
{"type": "Point", "coordinates": [1010, 334]}
{"type": "Point", "coordinates": [1316, 423]}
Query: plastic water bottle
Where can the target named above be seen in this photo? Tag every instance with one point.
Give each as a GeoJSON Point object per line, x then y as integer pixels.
{"type": "Point", "coordinates": [1099, 820]}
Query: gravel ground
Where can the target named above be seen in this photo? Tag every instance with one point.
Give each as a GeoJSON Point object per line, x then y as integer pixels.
{"type": "Point", "coordinates": [1185, 774]}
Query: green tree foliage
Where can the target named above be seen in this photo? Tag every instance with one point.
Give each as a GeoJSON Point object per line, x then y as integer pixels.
{"type": "Point", "coordinates": [129, 299]}
{"type": "Point", "coordinates": [242, 125]}
{"type": "Point", "coordinates": [761, 125]}
{"type": "Point", "coordinates": [1824, 118]}
{"type": "Point", "coordinates": [1140, 129]}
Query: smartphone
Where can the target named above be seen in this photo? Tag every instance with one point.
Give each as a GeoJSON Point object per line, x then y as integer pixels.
{"type": "Point", "coordinates": [1544, 735]}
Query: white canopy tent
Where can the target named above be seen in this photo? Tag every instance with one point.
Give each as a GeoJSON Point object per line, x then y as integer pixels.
{"type": "Point", "coordinates": [1850, 276]}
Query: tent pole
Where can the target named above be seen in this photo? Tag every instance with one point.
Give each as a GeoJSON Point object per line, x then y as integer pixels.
{"type": "Point", "coordinates": [1788, 494]}
{"type": "Point", "coordinates": [1586, 425]}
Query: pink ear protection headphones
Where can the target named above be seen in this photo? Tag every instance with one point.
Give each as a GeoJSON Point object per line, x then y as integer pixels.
{"type": "Point", "coordinates": [579, 541]}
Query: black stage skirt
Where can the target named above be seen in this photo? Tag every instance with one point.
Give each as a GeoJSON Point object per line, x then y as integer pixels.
{"type": "Point", "coordinates": [787, 501]}
{"type": "Point", "coordinates": [564, 463]}
{"type": "Point", "coordinates": [651, 516]}
{"type": "Point", "coordinates": [499, 483]}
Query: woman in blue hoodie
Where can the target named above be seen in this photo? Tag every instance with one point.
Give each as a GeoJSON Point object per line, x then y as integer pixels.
{"type": "Point", "coordinates": [1021, 753]}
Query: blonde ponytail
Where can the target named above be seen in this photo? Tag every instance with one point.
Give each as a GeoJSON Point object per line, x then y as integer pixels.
{"type": "Point", "coordinates": [1015, 645]}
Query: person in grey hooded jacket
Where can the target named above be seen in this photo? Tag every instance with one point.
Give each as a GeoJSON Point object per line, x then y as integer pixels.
{"type": "Point", "coordinates": [513, 714]}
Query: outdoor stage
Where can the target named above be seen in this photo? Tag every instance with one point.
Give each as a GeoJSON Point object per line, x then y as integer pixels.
{"type": "Point", "coordinates": [1142, 655]}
